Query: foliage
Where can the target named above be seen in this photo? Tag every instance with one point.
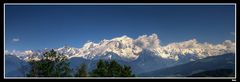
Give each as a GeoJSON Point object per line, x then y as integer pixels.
{"type": "Point", "coordinates": [56, 65]}
{"type": "Point", "coordinates": [111, 69]}
{"type": "Point", "coordinates": [51, 65]}
{"type": "Point", "coordinates": [82, 71]}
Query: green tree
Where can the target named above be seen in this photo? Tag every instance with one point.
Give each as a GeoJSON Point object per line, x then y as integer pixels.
{"type": "Point", "coordinates": [111, 69]}
{"type": "Point", "coordinates": [51, 65]}
{"type": "Point", "coordinates": [101, 70]}
{"type": "Point", "coordinates": [115, 69]}
{"type": "Point", "coordinates": [82, 71]}
{"type": "Point", "coordinates": [127, 72]}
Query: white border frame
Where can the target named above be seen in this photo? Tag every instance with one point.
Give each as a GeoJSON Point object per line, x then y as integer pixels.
{"type": "Point", "coordinates": [233, 78]}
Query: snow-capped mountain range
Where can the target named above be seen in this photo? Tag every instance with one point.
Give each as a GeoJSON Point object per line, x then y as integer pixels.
{"type": "Point", "coordinates": [143, 54]}
{"type": "Point", "coordinates": [130, 49]}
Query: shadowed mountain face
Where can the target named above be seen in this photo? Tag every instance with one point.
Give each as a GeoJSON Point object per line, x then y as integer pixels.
{"type": "Point", "coordinates": [146, 65]}
{"type": "Point", "coordinates": [215, 73]}
{"type": "Point", "coordinates": [226, 61]}
{"type": "Point", "coordinates": [14, 67]}
{"type": "Point", "coordinates": [147, 61]}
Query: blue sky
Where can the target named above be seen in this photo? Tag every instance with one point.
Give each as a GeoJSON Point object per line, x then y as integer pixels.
{"type": "Point", "coordinates": [39, 27]}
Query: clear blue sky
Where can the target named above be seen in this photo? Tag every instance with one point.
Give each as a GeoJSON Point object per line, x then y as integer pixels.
{"type": "Point", "coordinates": [39, 27]}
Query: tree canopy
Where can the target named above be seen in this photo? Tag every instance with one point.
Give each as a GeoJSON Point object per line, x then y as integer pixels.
{"type": "Point", "coordinates": [54, 64]}
{"type": "Point", "coordinates": [111, 69]}
{"type": "Point", "coordinates": [51, 65]}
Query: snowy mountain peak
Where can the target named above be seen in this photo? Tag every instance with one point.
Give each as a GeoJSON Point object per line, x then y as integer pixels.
{"type": "Point", "coordinates": [123, 38]}
{"type": "Point", "coordinates": [148, 42]}
{"type": "Point", "coordinates": [89, 45]}
{"type": "Point", "coordinates": [129, 49]}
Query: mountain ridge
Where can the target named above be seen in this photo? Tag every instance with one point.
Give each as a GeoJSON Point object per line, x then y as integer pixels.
{"type": "Point", "coordinates": [130, 49]}
{"type": "Point", "coordinates": [143, 54]}
{"type": "Point", "coordinates": [225, 61]}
